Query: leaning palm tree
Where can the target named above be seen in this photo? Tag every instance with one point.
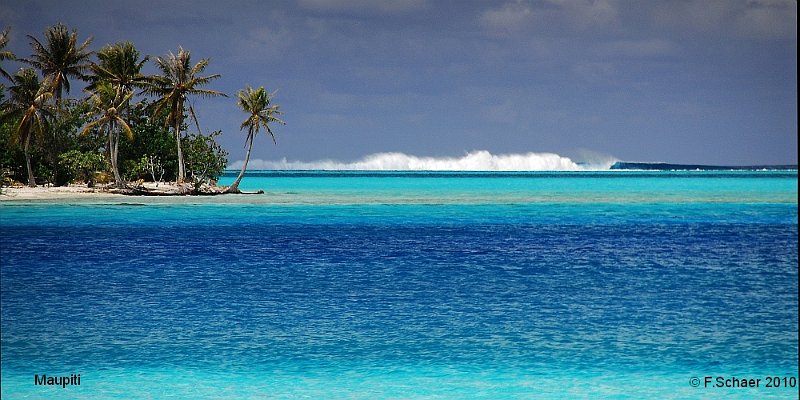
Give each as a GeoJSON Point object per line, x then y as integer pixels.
{"type": "Point", "coordinates": [120, 65]}
{"type": "Point", "coordinates": [258, 104]}
{"type": "Point", "coordinates": [107, 102]}
{"type": "Point", "coordinates": [5, 54]}
{"type": "Point", "coordinates": [179, 79]}
{"type": "Point", "coordinates": [29, 105]}
{"type": "Point", "coordinates": [60, 57]}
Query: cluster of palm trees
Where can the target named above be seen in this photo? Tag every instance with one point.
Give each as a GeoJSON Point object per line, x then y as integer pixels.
{"type": "Point", "coordinates": [112, 81]}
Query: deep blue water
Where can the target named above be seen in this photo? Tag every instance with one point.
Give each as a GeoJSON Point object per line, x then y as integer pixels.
{"type": "Point", "coordinates": [353, 286]}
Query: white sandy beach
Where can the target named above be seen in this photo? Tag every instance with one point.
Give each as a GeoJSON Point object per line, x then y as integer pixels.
{"type": "Point", "coordinates": [78, 191]}
{"type": "Point", "coordinates": [53, 192]}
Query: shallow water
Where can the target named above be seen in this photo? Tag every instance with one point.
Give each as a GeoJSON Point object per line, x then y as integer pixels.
{"type": "Point", "coordinates": [408, 285]}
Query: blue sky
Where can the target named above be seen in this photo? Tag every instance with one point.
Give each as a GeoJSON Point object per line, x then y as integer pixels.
{"type": "Point", "coordinates": [678, 81]}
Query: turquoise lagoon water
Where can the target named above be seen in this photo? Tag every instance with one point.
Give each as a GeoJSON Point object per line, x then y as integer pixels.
{"type": "Point", "coordinates": [409, 285]}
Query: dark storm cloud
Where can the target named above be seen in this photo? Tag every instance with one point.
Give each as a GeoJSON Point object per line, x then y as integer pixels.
{"type": "Point", "coordinates": [681, 81]}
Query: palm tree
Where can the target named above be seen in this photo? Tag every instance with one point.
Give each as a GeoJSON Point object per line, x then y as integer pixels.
{"type": "Point", "coordinates": [179, 79]}
{"type": "Point", "coordinates": [119, 65]}
{"type": "Point", "coordinates": [60, 58]}
{"type": "Point", "coordinates": [258, 104]}
{"type": "Point", "coordinates": [29, 105]}
{"type": "Point", "coordinates": [107, 102]}
{"type": "Point", "coordinates": [5, 54]}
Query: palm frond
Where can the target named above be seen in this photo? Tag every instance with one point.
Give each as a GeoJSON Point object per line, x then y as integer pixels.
{"type": "Point", "coordinates": [90, 126]}
{"type": "Point", "coordinates": [5, 54]}
{"type": "Point", "coordinates": [194, 117]}
{"type": "Point", "coordinates": [257, 103]}
{"type": "Point", "coordinates": [206, 93]}
{"type": "Point", "coordinates": [199, 67]}
{"type": "Point", "coordinates": [60, 57]}
{"type": "Point", "coordinates": [125, 128]}
{"type": "Point", "coordinates": [202, 80]}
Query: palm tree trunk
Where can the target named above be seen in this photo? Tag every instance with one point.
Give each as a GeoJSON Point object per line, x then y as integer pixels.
{"type": "Point", "coordinates": [234, 187]}
{"type": "Point", "coordinates": [110, 153]}
{"type": "Point", "coordinates": [114, 165]}
{"type": "Point", "coordinates": [58, 87]}
{"type": "Point", "coordinates": [31, 178]}
{"type": "Point", "coordinates": [181, 168]}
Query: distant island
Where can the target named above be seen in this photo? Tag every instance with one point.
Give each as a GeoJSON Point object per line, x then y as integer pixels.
{"type": "Point", "coordinates": [643, 166]}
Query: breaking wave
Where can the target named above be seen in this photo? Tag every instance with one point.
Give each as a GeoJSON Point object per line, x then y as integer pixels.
{"type": "Point", "coordinates": [473, 161]}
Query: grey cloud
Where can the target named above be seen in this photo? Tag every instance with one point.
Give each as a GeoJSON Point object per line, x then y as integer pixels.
{"type": "Point", "coordinates": [585, 14]}
{"type": "Point", "coordinates": [8, 16]}
{"type": "Point", "coordinates": [566, 17]}
{"type": "Point", "coordinates": [769, 19]}
{"type": "Point", "coordinates": [508, 17]}
{"type": "Point", "coordinates": [637, 48]}
{"type": "Point", "coordinates": [264, 43]}
{"type": "Point", "coordinates": [764, 19]}
{"type": "Point", "coordinates": [364, 7]}
{"type": "Point", "coordinates": [595, 72]}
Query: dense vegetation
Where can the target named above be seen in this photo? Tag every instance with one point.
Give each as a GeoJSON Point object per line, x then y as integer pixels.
{"type": "Point", "coordinates": [125, 127]}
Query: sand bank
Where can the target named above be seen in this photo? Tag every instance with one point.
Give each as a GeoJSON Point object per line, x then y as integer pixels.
{"type": "Point", "coordinates": [53, 192]}
{"type": "Point", "coordinates": [83, 192]}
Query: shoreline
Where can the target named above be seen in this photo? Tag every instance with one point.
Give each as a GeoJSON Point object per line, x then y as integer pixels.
{"type": "Point", "coordinates": [11, 193]}
{"type": "Point", "coordinates": [81, 191]}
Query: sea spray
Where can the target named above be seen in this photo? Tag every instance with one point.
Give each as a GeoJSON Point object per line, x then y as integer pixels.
{"type": "Point", "coordinates": [481, 160]}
